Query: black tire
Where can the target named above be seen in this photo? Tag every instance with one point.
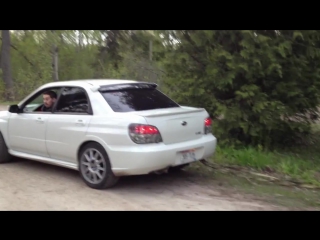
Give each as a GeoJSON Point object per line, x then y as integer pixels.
{"type": "Point", "coordinates": [108, 179]}
{"type": "Point", "coordinates": [4, 154]}
{"type": "Point", "coordinates": [178, 168]}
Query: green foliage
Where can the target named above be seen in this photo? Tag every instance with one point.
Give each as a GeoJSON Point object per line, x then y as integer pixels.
{"type": "Point", "coordinates": [91, 56]}
{"type": "Point", "coordinates": [254, 80]}
{"type": "Point", "coordinates": [30, 65]}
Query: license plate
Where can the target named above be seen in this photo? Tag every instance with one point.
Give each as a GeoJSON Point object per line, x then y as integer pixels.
{"type": "Point", "coordinates": [188, 156]}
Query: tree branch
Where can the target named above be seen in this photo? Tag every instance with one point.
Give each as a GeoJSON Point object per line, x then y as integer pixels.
{"type": "Point", "coordinates": [21, 54]}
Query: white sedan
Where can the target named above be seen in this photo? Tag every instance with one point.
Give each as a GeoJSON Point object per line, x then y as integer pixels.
{"type": "Point", "coordinates": [106, 129]}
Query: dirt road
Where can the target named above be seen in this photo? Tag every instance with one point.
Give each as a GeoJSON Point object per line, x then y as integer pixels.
{"type": "Point", "coordinates": [30, 185]}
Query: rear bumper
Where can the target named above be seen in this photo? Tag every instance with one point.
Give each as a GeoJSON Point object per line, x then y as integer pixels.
{"type": "Point", "coordinates": [144, 159]}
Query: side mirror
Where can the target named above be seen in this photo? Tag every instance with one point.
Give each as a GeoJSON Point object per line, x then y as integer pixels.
{"type": "Point", "coordinates": [14, 108]}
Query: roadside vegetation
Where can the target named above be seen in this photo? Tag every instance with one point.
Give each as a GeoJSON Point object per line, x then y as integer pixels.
{"type": "Point", "coordinates": [261, 87]}
{"type": "Point", "coordinates": [299, 164]}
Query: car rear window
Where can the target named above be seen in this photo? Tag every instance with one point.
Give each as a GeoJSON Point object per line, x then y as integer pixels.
{"type": "Point", "coordinates": [137, 100]}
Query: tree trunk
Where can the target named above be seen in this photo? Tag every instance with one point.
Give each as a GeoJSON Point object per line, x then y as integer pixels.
{"type": "Point", "coordinates": [80, 40]}
{"type": "Point", "coordinates": [55, 74]}
{"type": "Point", "coordinates": [1, 51]}
{"type": "Point", "coordinates": [61, 38]}
{"type": "Point", "coordinates": [6, 65]}
{"type": "Point", "coordinates": [150, 50]}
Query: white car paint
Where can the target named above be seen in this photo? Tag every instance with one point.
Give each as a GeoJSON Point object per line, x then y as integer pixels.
{"type": "Point", "coordinates": [57, 138]}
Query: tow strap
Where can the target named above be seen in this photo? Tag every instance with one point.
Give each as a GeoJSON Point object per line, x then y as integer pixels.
{"type": "Point", "coordinates": [208, 164]}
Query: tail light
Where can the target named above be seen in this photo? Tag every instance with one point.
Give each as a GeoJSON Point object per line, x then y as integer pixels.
{"type": "Point", "coordinates": [144, 134]}
{"type": "Point", "coordinates": [207, 125]}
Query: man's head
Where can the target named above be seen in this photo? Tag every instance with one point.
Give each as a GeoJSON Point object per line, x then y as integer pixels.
{"type": "Point", "coordinates": [49, 98]}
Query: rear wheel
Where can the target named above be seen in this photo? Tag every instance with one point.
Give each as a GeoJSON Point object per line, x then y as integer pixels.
{"type": "Point", "coordinates": [4, 154]}
{"type": "Point", "coordinates": [95, 168]}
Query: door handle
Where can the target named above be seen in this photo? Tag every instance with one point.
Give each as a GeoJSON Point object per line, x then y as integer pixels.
{"type": "Point", "coordinates": [80, 122]}
{"type": "Point", "coordinates": [39, 119]}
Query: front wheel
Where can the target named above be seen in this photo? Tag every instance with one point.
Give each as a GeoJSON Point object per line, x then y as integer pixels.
{"type": "Point", "coordinates": [95, 168]}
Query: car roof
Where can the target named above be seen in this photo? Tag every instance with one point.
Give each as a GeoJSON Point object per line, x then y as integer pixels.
{"type": "Point", "coordinates": [88, 82]}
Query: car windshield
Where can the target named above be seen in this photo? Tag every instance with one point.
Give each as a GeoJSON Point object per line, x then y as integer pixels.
{"type": "Point", "coordinates": [137, 100]}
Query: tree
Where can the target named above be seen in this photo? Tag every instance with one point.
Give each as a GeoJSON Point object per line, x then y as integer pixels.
{"type": "Point", "coordinates": [258, 81]}
{"type": "Point", "coordinates": [6, 65]}
{"type": "Point", "coordinates": [54, 52]}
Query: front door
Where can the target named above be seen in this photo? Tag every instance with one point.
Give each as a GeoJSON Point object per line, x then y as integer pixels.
{"type": "Point", "coordinates": [27, 133]}
{"type": "Point", "coordinates": [27, 130]}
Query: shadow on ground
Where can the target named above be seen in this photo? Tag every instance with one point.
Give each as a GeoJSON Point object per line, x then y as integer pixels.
{"type": "Point", "coordinates": [171, 178]}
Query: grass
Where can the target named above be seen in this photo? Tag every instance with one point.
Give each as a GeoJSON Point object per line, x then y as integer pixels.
{"type": "Point", "coordinates": [298, 167]}
{"type": "Point", "coordinates": [302, 163]}
{"type": "Point", "coordinates": [291, 198]}
{"type": "Point", "coordinates": [234, 183]}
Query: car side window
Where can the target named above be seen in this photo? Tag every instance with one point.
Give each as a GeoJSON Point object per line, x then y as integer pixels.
{"type": "Point", "coordinates": [35, 103]}
{"type": "Point", "coordinates": [73, 100]}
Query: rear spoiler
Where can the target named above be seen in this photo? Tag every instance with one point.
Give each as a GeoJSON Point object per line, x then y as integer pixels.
{"type": "Point", "coordinates": [167, 113]}
{"type": "Point", "coordinates": [125, 86]}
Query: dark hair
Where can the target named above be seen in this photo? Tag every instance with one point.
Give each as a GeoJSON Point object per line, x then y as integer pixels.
{"type": "Point", "coordinates": [51, 93]}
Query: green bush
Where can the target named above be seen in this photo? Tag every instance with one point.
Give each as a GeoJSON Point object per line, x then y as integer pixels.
{"type": "Point", "coordinates": [253, 79]}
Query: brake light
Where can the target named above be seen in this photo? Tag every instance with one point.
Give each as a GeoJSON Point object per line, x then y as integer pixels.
{"type": "Point", "coordinates": [144, 134]}
{"type": "Point", "coordinates": [207, 125]}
